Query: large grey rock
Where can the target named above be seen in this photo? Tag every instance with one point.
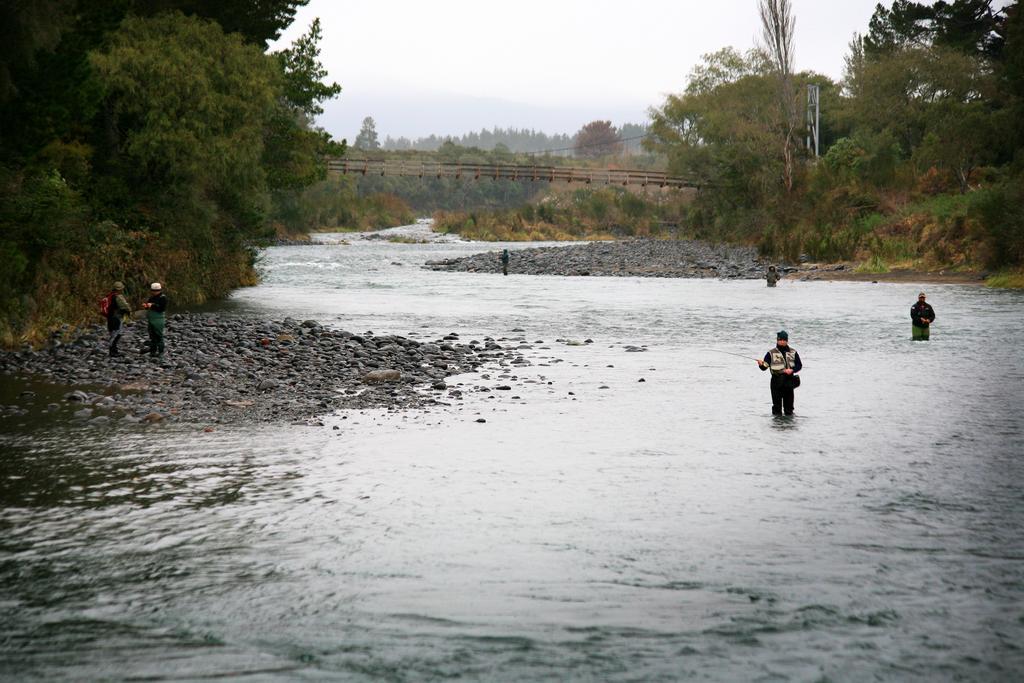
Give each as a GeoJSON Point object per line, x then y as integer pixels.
{"type": "Point", "coordinates": [381, 376]}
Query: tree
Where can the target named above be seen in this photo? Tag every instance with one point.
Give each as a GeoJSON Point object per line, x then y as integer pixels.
{"type": "Point", "coordinates": [257, 21]}
{"type": "Point", "coordinates": [188, 107]}
{"type": "Point", "coordinates": [367, 138]}
{"type": "Point", "coordinates": [777, 25]}
{"type": "Point", "coordinates": [304, 87]}
{"type": "Point", "coordinates": [632, 135]}
{"type": "Point", "coordinates": [724, 132]}
{"type": "Point", "coordinates": [28, 27]}
{"type": "Point", "coordinates": [295, 151]}
{"type": "Point", "coordinates": [970, 26]}
{"type": "Point", "coordinates": [596, 139]}
{"type": "Point", "coordinates": [720, 131]}
{"type": "Point", "coordinates": [961, 137]}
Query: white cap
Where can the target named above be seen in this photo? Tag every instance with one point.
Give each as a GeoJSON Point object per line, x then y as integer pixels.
{"type": "Point", "coordinates": [156, 287]}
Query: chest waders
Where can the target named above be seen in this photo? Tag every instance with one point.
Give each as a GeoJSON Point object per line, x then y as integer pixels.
{"type": "Point", "coordinates": [782, 391]}
{"type": "Point", "coordinates": [156, 321]}
{"type": "Point", "coordinates": [921, 332]}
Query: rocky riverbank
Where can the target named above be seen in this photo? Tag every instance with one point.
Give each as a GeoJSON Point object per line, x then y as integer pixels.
{"type": "Point", "coordinates": [243, 370]}
{"type": "Point", "coordinates": [290, 242]}
{"type": "Point", "coordinates": [634, 258]}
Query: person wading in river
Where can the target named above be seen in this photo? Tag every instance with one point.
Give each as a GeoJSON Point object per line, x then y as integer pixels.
{"type": "Point", "coordinates": [156, 308]}
{"type": "Point", "coordinates": [784, 362]}
{"type": "Point", "coordinates": [921, 317]}
{"type": "Point", "coordinates": [504, 262]}
{"type": "Point", "coordinates": [117, 309]}
{"type": "Point", "coordinates": [772, 276]}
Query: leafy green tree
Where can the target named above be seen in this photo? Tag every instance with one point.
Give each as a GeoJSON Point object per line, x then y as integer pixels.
{"type": "Point", "coordinates": [961, 137]}
{"type": "Point", "coordinates": [189, 105]}
{"type": "Point", "coordinates": [863, 158]}
{"type": "Point", "coordinates": [970, 26]}
{"type": "Point", "coordinates": [723, 129]}
{"type": "Point", "coordinates": [295, 150]}
{"type": "Point", "coordinates": [304, 86]}
{"type": "Point", "coordinates": [367, 138]}
{"type": "Point", "coordinates": [258, 21]}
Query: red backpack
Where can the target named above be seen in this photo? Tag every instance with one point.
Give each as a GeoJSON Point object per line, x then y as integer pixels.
{"type": "Point", "coordinates": [105, 304]}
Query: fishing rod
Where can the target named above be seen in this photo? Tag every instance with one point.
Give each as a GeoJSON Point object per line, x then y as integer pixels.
{"type": "Point", "coordinates": [738, 355]}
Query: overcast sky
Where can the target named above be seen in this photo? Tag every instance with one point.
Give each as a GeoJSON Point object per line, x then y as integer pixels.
{"type": "Point", "coordinates": [453, 66]}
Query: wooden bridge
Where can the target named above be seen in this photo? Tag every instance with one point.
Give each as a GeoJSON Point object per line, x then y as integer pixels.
{"type": "Point", "coordinates": [551, 174]}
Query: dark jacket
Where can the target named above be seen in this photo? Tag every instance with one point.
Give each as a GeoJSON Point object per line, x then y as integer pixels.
{"type": "Point", "coordinates": [158, 307]}
{"type": "Point", "coordinates": [922, 314]}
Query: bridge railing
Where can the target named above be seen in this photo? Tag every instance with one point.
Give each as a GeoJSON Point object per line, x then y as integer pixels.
{"type": "Point", "coordinates": [443, 169]}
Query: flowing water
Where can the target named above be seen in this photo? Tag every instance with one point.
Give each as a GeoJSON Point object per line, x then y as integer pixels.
{"type": "Point", "coordinates": [594, 527]}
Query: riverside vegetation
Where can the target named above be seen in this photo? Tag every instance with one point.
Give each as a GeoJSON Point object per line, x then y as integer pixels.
{"type": "Point", "coordinates": [159, 140]}
{"type": "Point", "coordinates": [148, 140]}
{"type": "Point", "coordinates": [922, 162]}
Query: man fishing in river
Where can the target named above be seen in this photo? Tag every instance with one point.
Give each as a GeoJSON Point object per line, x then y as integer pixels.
{"type": "Point", "coordinates": [784, 362]}
{"type": "Point", "coordinates": [922, 315]}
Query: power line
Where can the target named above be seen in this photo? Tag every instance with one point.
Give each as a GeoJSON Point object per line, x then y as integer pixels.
{"type": "Point", "coordinates": [591, 144]}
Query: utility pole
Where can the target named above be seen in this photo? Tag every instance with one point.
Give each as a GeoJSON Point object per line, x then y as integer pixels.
{"type": "Point", "coordinates": [813, 118]}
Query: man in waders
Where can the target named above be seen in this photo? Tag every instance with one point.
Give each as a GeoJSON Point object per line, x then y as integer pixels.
{"type": "Point", "coordinates": [921, 317]}
{"type": "Point", "coordinates": [504, 262]}
{"type": "Point", "coordinates": [156, 308]}
{"type": "Point", "coordinates": [117, 309]}
{"type": "Point", "coordinates": [772, 276]}
{"type": "Point", "coordinates": [784, 362]}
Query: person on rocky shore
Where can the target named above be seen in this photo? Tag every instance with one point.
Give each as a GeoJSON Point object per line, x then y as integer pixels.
{"type": "Point", "coordinates": [922, 315]}
{"type": "Point", "coordinates": [156, 317]}
{"type": "Point", "coordinates": [772, 276]}
{"type": "Point", "coordinates": [784, 362]}
{"type": "Point", "coordinates": [117, 309]}
{"type": "Point", "coordinates": [504, 261]}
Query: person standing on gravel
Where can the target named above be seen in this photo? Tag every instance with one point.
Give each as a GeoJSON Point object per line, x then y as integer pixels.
{"type": "Point", "coordinates": [156, 309]}
{"type": "Point", "coordinates": [921, 317]}
{"type": "Point", "coordinates": [784, 362]}
{"type": "Point", "coordinates": [772, 276]}
{"type": "Point", "coordinates": [504, 261]}
{"type": "Point", "coordinates": [117, 309]}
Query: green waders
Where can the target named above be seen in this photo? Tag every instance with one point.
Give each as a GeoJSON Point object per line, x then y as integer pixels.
{"type": "Point", "coordinates": [919, 333]}
{"type": "Point", "coordinates": [156, 333]}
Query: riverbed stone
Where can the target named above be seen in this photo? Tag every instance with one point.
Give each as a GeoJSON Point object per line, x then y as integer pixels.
{"type": "Point", "coordinates": [630, 258]}
{"type": "Point", "coordinates": [239, 370]}
{"type": "Point", "coordinates": [380, 376]}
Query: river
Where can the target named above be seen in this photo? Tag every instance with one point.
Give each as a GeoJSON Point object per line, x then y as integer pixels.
{"type": "Point", "coordinates": [594, 527]}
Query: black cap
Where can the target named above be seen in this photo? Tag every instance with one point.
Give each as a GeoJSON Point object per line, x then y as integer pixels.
{"type": "Point", "coordinates": [782, 334]}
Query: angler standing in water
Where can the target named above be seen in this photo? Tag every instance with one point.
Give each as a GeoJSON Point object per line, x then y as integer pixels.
{"type": "Point", "coordinates": [921, 317]}
{"type": "Point", "coordinates": [772, 276]}
{"type": "Point", "coordinates": [784, 362]}
{"type": "Point", "coordinates": [504, 262]}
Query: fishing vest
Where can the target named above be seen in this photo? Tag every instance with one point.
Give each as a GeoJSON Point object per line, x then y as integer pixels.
{"type": "Point", "coordinates": [780, 361]}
